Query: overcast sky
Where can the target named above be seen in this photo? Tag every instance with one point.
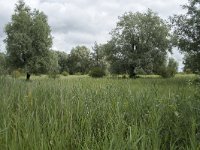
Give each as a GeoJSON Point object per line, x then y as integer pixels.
{"type": "Point", "coordinates": [82, 22]}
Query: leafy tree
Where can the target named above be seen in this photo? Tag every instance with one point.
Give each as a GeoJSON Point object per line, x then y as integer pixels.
{"type": "Point", "coordinates": [41, 44]}
{"type": "Point", "coordinates": [98, 56]}
{"type": "Point", "coordinates": [117, 65]}
{"type": "Point", "coordinates": [18, 39]}
{"type": "Point", "coordinates": [28, 40]}
{"type": "Point", "coordinates": [173, 64]}
{"type": "Point", "coordinates": [135, 39]}
{"type": "Point", "coordinates": [63, 61]}
{"type": "Point", "coordinates": [191, 63]}
{"type": "Point", "coordinates": [53, 68]}
{"type": "Point", "coordinates": [170, 69]}
{"type": "Point", "coordinates": [187, 33]}
{"type": "Point", "coordinates": [79, 60]}
{"type": "Point", "coordinates": [159, 59]}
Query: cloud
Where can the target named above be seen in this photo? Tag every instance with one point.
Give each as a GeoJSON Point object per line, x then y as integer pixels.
{"type": "Point", "coordinates": [75, 22]}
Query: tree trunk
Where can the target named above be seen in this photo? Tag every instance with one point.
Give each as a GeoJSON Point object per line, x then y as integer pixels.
{"type": "Point", "coordinates": [132, 73]}
{"type": "Point", "coordinates": [28, 76]}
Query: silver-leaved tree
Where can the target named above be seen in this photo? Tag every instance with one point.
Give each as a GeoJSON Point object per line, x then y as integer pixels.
{"type": "Point", "coordinates": [29, 41]}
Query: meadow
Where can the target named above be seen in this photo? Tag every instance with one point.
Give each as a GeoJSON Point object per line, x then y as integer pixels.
{"type": "Point", "coordinates": [79, 112]}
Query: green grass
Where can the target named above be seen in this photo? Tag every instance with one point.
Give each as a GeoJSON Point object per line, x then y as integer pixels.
{"type": "Point", "coordinates": [78, 112]}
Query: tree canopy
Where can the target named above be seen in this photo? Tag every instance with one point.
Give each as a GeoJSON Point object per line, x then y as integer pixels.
{"type": "Point", "coordinates": [139, 44]}
{"type": "Point", "coordinates": [187, 33]}
{"type": "Point", "coordinates": [98, 56]}
{"type": "Point", "coordinates": [79, 60]}
{"type": "Point", "coordinates": [28, 40]}
{"type": "Point", "coordinates": [135, 40]}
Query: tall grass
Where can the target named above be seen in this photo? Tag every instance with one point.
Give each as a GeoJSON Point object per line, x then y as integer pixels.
{"type": "Point", "coordinates": [86, 113]}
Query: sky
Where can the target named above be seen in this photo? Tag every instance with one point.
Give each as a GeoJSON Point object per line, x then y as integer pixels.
{"type": "Point", "coordinates": [82, 22]}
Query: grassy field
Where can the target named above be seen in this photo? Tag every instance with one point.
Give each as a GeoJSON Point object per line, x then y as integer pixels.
{"type": "Point", "coordinates": [78, 112]}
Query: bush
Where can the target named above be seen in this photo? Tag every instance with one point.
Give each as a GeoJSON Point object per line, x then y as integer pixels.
{"type": "Point", "coordinates": [65, 73]}
{"type": "Point", "coordinates": [124, 76]}
{"type": "Point", "coordinates": [197, 80]}
{"type": "Point", "coordinates": [53, 75]}
{"type": "Point", "coordinates": [188, 71]}
{"type": "Point", "coordinates": [78, 73]}
{"type": "Point", "coordinates": [97, 72]}
{"type": "Point", "coordinates": [16, 74]}
{"type": "Point", "coordinates": [167, 72]}
{"type": "Point", "coordinates": [140, 71]}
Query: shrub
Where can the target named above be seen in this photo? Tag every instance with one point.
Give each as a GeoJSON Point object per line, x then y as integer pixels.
{"type": "Point", "coordinates": [97, 72]}
{"type": "Point", "coordinates": [78, 73]}
{"type": "Point", "coordinates": [124, 76]}
{"type": "Point", "coordinates": [140, 71]}
{"type": "Point", "coordinates": [170, 70]}
{"type": "Point", "coordinates": [53, 75]}
{"type": "Point", "coordinates": [65, 73]}
{"type": "Point", "coordinates": [197, 80]}
{"type": "Point", "coordinates": [167, 72]}
{"type": "Point", "coordinates": [16, 74]}
{"type": "Point", "coordinates": [188, 71]}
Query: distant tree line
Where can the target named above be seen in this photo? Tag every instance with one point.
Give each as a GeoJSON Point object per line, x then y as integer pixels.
{"type": "Point", "coordinates": [139, 45]}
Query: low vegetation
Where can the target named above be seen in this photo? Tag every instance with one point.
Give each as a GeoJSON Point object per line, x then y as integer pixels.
{"type": "Point", "coordinates": [109, 113]}
{"type": "Point", "coordinates": [97, 72]}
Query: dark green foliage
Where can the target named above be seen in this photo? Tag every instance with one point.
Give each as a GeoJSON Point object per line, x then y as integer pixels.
{"type": "Point", "coordinates": [187, 71]}
{"type": "Point", "coordinates": [28, 40]}
{"type": "Point", "coordinates": [65, 73]}
{"type": "Point", "coordinates": [192, 62]}
{"type": "Point", "coordinates": [62, 61]}
{"type": "Point", "coordinates": [79, 60]}
{"type": "Point", "coordinates": [136, 40]}
{"type": "Point", "coordinates": [53, 68]}
{"type": "Point", "coordinates": [197, 80]}
{"type": "Point", "coordinates": [140, 71]}
{"type": "Point", "coordinates": [18, 40]}
{"type": "Point", "coordinates": [187, 34]}
{"type": "Point", "coordinates": [99, 56]}
{"type": "Point", "coordinates": [97, 72]}
{"type": "Point", "coordinates": [166, 72]}
{"type": "Point", "coordinates": [170, 70]}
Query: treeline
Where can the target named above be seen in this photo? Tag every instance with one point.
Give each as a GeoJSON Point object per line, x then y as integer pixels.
{"type": "Point", "coordinates": [139, 45]}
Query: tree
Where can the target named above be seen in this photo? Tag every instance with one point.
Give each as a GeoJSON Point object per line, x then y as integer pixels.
{"type": "Point", "coordinates": [98, 56]}
{"type": "Point", "coordinates": [191, 63]}
{"type": "Point", "coordinates": [135, 39]}
{"type": "Point", "coordinates": [53, 68]}
{"type": "Point", "coordinates": [79, 60]}
{"type": "Point", "coordinates": [62, 61]}
{"type": "Point", "coordinates": [173, 64]}
{"type": "Point", "coordinates": [169, 69]}
{"type": "Point", "coordinates": [117, 65]}
{"type": "Point", "coordinates": [187, 33]}
{"type": "Point", "coordinates": [28, 40]}
{"type": "Point", "coordinates": [159, 60]}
